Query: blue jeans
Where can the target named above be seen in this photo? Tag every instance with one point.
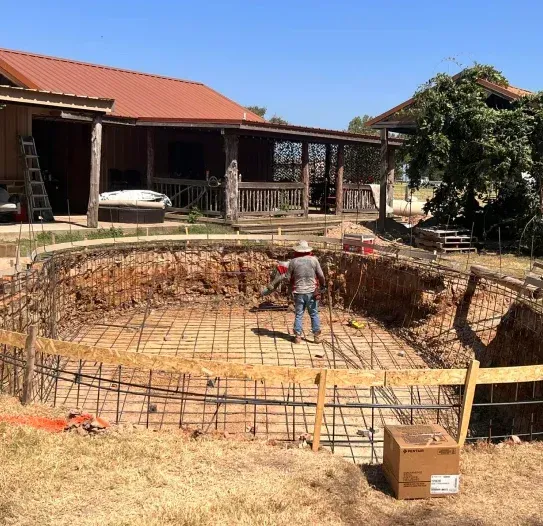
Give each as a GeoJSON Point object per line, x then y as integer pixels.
{"type": "Point", "coordinates": [301, 303]}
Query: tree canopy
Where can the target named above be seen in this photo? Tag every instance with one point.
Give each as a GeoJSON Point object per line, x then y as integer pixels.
{"type": "Point", "coordinates": [358, 125]}
{"type": "Point", "coordinates": [478, 145]}
{"type": "Point", "coordinates": [261, 112]}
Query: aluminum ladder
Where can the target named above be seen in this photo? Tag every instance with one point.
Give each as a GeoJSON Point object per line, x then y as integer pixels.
{"type": "Point", "coordinates": [39, 207]}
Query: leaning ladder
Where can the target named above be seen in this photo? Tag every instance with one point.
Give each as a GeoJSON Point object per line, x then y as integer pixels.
{"type": "Point", "coordinates": [39, 207]}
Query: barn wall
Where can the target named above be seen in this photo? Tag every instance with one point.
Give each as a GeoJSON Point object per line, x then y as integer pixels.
{"type": "Point", "coordinates": [255, 159]}
{"type": "Point", "coordinates": [14, 120]}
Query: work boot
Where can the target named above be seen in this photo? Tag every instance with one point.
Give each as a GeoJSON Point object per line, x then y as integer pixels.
{"type": "Point", "coordinates": [297, 338]}
{"type": "Point", "coordinates": [318, 337]}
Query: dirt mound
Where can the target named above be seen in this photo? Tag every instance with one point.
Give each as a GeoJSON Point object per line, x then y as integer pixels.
{"type": "Point", "coordinates": [349, 227]}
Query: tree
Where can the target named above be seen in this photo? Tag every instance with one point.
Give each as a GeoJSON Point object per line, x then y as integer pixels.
{"type": "Point", "coordinates": [259, 110]}
{"type": "Point", "coordinates": [473, 146]}
{"type": "Point", "coordinates": [277, 120]}
{"type": "Point", "coordinates": [358, 125]}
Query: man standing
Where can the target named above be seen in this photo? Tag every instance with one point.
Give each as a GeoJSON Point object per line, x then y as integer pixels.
{"type": "Point", "coordinates": [305, 275]}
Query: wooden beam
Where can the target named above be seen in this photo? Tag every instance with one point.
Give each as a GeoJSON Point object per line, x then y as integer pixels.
{"type": "Point", "coordinates": [390, 176]}
{"type": "Point", "coordinates": [305, 176]}
{"type": "Point", "coordinates": [383, 180]}
{"type": "Point", "coordinates": [319, 413]}
{"type": "Point", "coordinates": [467, 402]}
{"type": "Point", "coordinates": [231, 143]}
{"type": "Point", "coordinates": [150, 157]}
{"type": "Point", "coordinates": [96, 157]}
{"type": "Point", "coordinates": [30, 353]}
{"type": "Point", "coordinates": [339, 178]}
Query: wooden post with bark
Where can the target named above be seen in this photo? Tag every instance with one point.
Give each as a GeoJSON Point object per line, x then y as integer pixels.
{"type": "Point", "coordinates": [384, 179]}
{"type": "Point", "coordinates": [150, 157]}
{"type": "Point", "coordinates": [305, 176]}
{"type": "Point", "coordinates": [231, 142]}
{"type": "Point", "coordinates": [339, 178]}
{"type": "Point", "coordinates": [30, 354]}
{"type": "Point", "coordinates": [96, 156]}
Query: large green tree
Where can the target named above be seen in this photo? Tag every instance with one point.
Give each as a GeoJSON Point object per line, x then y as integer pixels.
{"type": "Point", "coordinates": [473, 144]}
{"type": "Point", "coordinates": [261, 112]}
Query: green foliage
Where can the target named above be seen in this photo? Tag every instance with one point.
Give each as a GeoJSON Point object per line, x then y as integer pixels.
{"type": "Point", "coordinates": [358, 125]}
{"type": "Point", "coordinates": [194, 215]}
{"type": "Point", "coordinates": [105, 233]}
{"type": "Point", "coordinates": [259, 110]}
{"type": "Point", "coordinates": [277, 120]}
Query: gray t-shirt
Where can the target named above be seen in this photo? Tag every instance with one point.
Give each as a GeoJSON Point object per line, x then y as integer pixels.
{"type": "Point", "coordinates": [303, 273]}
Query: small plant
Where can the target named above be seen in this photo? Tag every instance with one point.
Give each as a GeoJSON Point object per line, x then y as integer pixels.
{"type": "Point", "coordinates": [194, 215]}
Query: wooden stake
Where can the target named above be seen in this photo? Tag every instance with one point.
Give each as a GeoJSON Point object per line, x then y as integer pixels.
{"type": "Point", "coordinates": [320, 410]}
{"type": "Point", "coordinates": [96, 156]}
{"type": "Point", "coordinates": [30, 352]}
{"type": "Point", "coordinates": [467, 402]}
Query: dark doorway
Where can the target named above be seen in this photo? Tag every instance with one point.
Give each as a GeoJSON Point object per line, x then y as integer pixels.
{"type": "Point", "coordinates": [64, 151]}
{"type": "Point", "coordinates": [186, 160]}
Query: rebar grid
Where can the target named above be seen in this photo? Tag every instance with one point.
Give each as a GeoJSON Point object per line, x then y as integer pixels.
{"type": "Point", "coordinates": [201, 300]}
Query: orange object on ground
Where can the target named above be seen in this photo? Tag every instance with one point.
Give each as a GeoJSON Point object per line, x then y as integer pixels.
{"type": "Point", "coordinates": [53, 425]}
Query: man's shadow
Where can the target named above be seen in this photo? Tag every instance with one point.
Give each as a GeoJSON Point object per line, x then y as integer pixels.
{"type": "Point", "coordinates": [271, 334]}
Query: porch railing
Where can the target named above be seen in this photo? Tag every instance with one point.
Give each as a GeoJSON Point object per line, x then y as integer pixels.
{"type": "Point", "coordinates": [187, 194]}
{"type": "Point", "coordinates": [358, 198]}
{"type": "Point", "coordinates": [271, 198]}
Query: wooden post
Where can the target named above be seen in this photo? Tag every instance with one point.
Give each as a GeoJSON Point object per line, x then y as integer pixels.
{"type": "Point", "coordinates": [96, 155]}
{"type": "Point", "coordinates": [305, 176]}
{"type": "Point", "coordinates": [30, 352]}
{"type": "Point", "coordinates": [231, 176]}
{"type": "Point", "coordinates": [320, 410]}
{"type": "Point", "coordinates": [339, 178]}
{"type": "Point", "coordinates": [150, 157]}
{"type": "Point", "coordinates": [467, 402]}
{"type": "Point", "coordinates": [390, 177]}
{"type": "Point", "coordinates": [384, 178]}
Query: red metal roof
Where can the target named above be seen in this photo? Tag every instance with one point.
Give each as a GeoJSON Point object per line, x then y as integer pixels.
{"type": "Point", "coordinates": [136, 94]}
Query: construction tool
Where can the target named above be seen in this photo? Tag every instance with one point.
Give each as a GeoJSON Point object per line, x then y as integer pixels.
{"type": "Point", "coordinates": [356, 324]}
{"type": "Point", "coordinates": [39, 207]}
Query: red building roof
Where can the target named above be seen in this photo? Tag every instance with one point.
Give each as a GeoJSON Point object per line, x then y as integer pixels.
{"type": "Point", "coordinates": [137, 95]}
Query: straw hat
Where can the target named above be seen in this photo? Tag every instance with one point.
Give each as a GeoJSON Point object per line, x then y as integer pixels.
{"type": "Point", "coordinates": [303, 247]}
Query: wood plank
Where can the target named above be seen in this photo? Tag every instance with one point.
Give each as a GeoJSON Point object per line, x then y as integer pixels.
{"type": "Point", "coordinates": [319, 412]}
{"type": "Point", "coordinates": [383, 181]}
{"type": "Point", "coordinates": [467, 401]}
{"type": "Point", "coordinates": [407, 377]}
{"type": "Point", "coordinates": [339, 178]}
{"type": "Point", "coordinates": [507, 281]}
{"type": "Point", "coordinates": [506, 375]}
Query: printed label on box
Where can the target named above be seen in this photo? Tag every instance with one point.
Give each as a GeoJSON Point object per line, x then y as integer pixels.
{"type": "Point", "coordinates": [444, 484]}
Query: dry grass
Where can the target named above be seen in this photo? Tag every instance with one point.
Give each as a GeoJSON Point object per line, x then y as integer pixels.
{"type": "Point", "coordinates": [511, 264]}
{"type": "Point", "coordinates": [146, 478]}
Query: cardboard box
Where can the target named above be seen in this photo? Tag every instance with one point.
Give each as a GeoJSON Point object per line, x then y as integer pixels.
{"type": "Point", "coordinates": [421, 461]}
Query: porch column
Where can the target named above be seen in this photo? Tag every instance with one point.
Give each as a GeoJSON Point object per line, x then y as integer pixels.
{"type": "Point", "coordinates": [390, 177]}
{"type": "Point", "coordinates": [384, 179]}
{"type": "Point", "coordinates": [305, 176]}
{"type": "Point", "coordinates": [231, 176]}
{"type": "Point", "coordinates": [339, 178]}
{"type": "Point", "coordinates": [96, 155]}
{"type": "Point", "coordinates": [150, 157]}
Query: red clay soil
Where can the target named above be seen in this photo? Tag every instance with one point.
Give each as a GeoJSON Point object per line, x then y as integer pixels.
{"type": "Point", "coordinates": [53, 425]}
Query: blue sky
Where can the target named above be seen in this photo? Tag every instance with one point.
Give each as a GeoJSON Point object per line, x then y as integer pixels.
{"type": "Point", "coordinates": [314, 63]}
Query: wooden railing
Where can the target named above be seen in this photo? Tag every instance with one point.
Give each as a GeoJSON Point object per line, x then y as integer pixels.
{"type": "Point", "coordinates": [358, 198]}
{"type": "Point", "coordinates": [271, 198]}
{"type": "Point", "coordinates": [187, 194]}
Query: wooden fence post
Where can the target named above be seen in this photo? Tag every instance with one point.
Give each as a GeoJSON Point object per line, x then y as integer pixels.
{"type": "Point", "coordinates": [30, 354]}
{"type": "Point", "coordinates": [320, 410]}
{"type": "Point", "coordinates": [467, 402]}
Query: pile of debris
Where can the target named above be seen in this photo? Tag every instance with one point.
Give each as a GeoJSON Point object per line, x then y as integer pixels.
{"type": "Point", "coordinates": [85, 424]}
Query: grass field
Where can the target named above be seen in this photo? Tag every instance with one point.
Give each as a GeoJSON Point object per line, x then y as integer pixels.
{"type": "Point", "coordinates": [140, 477]}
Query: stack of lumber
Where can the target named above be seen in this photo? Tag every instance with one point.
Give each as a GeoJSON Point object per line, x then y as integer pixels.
{"type": "Point", "coordinates": [445, 239]}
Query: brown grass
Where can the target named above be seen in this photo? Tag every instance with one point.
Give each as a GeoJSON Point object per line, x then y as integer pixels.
{"type": "Point", "coordinates": [160, 478]}
{"type": "Point", "coordinates": [511, 264]}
